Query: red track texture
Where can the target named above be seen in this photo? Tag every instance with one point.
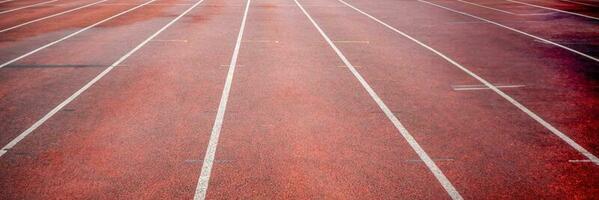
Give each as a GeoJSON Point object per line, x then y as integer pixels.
{"type": "Point", "coordinates": [297, 122]}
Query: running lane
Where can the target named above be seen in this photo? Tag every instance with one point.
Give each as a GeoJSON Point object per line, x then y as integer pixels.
{"type": "Point", "coordinates": [140, 131]}
{"type": "Point", "coordinates": [10, 7]}
{"type": "Point", "coordinates": [585, 7]}
{"type": "Point", "coordinates": [578, 33]}
{"type": "Point", "coordinates": [490, 148]}
{"type": "Point", "coordinates": [298, 124]}
{"type": "Point", "coordinates": [19, 41]}
{"type": "Point", "coordinates": [21, 16]}
{"type": "Point", "coordinates": [31, 87]}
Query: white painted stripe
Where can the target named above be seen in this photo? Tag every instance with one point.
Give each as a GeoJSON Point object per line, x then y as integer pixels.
{"type": "Point", "coordinates": [434, 159]}
{"type": "Point", "coordinates": [535, 14]}
{"type": "Point", "coordinates": [204, 179]}
{"type": "Point", "coordinates": [453, 193]}
{"type": "Point", "coordinates": [503, 11]}
{"type": "Point", "coordinates": [41, 121]}
{"type": "Point", "coordinates": [345, 66]}
{"type": "Point", "coordinates": [487, 7]}
{"type": "Point", "coordinates": [574, 42]}
{"type": "Point", "coordinates": [553, 9]}
{"type": "Point", "coordinates": [54, 15]}
{"type": "Point", "coordinates": [580, 161]}
{"type": "Point", "coordinates": [515, 30]}
{"type": "Point", "coordinates": [534, 116]}
{"type": "Point", "coordinates": [581, 3]}
{"type": "Point", "coordinates": [482, 87]}
{"type": "Point", "coordinates": [153, 4]}
{"type": "Point", "coordinates": [481, 22]}
{"type": "Point", "coordinates": [29, 6]}
{"type": "Point", "coordinates": [6, 1]}
{"type": "Point", "coordinates": [73, 34]}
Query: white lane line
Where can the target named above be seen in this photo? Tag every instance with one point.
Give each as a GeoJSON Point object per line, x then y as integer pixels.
{"type": "Point", "coordinates": [513, 29]}
{"type": "Point", "coordinates": [483, 22]}
{"type": "Point", "coordinates": [203, 180]}
{"type": "Point", "coordinates": [54, 15]}
{"type": "Point", "coordinates": [345, 66]}
{"type": "Point", "coordinates": [73, 34]}
{"type": "Point", "coordinates": [500, 10]}
{"type": "Point", "coordinates": [581, 42]}
{"type": "Point", "coordinates": [553, 9]}
{"type": "Point", "coordinates": [6, 1]}
{"type": "Point", "coordinates": [435, 159]}
{"type": "Point", "coordinates": [580, 161]}
{"type": "Point", "coordinates": [482, 87]}
{"type": "Point", "coordinates": [534, 116]}
{"type": "Point", "coordinates": [29, 6]}
{"type": "Point", "coordinates": [153, 4]}
{"type": "Point", "coordinates": [237, 65]}
{"type": "Point", "coordinates": [487, 7]}
{"type": "Point", "coordinates": [41, 121]}
{"type": "Point", "coordinates": [581, 3]}
{"type": "Point", "coordinates": [453, 193]}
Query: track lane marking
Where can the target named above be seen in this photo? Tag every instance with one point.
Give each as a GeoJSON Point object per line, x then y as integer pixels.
{"type": "Point", "coordinates": [513, 29]}
{"type": "Point", "coordinates": [29, 6]}
{"type": "Point", "coordinates": [581, 3]}
{"type": "Point", "coordinates": [345, 66]}
{"type": "Point", "coordinates": [481, 87]}
{"type": "Point", "coordinates": [436, 171]}
{"type": "Point", "coordinates": [153, 4]}
{"type": "Point", "coordinates": [500, 10]}
{"type": "Point", "coordinates": [60, 106]}
{"type": "Point", "coordinates": [580, 161]}
{"type": "Point", "coordinates": [6, 1]}
{"type": "Point", "coordinates": [553, 9]}
{"type": "Point", "coordinates": [517, 104]}
{"type": "Point", "coordinates": [435, 159]}
{"type": "Point", "coordinates": [203, 180]}
{"type": "Point", "coordinates": [73, 34]}
{"type": "Point", "coordinates": [50, 16]}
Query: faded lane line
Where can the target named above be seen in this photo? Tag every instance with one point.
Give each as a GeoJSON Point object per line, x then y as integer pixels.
{"type": "Point", "coordinates": [73, 34]}
{"type": "Point", "coordinates": [487, 7]}
{"type": "Point", "coordinates": [41, 121]}
{"type": "Point", "coordinates": [54, 15]}
{"type": "Point", "coordinates": [153, 4]}
{"type": "Point", "coordinates": [29, 6]}
{"type": "Point", "coordinates": [580, 161]}
{"type": "Point", "coordinates": [453, 193]}
{"type": "Point", "coordinates": [533, 115]}
{"type": "Point", "coordinates": [203, 180]}
{"type": "Point", "coordinates": [581, 3]}
{"type": "Point", "coordinates": [513, 29]}
{"type": "Point", "coordinates": [556, 10]}
{"type": "Point", "coordinates": [500, 10]}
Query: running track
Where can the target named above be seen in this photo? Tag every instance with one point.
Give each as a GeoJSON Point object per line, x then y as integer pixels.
{"type": "Point", "coordinates": [299, 99]}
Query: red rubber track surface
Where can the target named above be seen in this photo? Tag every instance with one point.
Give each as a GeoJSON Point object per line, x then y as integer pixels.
{"type": "Point", "coordinates": [298, 124]}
